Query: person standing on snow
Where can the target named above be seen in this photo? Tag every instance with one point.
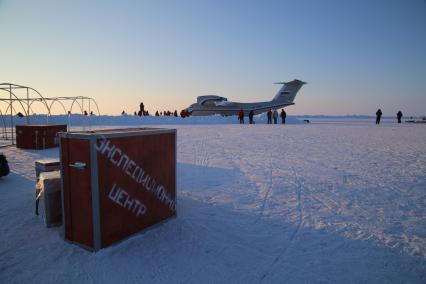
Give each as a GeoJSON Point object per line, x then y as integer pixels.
{"type": "Point", "coordinates": [275, 116]}
{"type": "Point", "coordinates": [269, 114]}
{"type": "Point", "coordinates": [251, 114]}
{"type": "Point", "coordinates": [399, 116]}
{"type": "Point", "coordinates": [378, 116]}
{"type": "Point", "coordinates": [241, 116]}
{"type": "Point", "coordinates": [283, 116]}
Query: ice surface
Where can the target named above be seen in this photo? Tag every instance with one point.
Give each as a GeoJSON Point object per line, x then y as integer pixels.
{"type": "Point", "coordinates": [320, 202]}
{"type": "Point", "coordinates": [87, 121]}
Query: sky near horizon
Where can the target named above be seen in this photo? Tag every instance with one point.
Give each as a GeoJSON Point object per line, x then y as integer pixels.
{"type": "Point", "coordinates": [356, 56]}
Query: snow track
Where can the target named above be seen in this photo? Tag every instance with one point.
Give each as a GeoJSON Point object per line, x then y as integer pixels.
{"type": "Point", "coordinates": [269, 187]}
{"type": "Point", "coordinates": [295, 232]}
{"type": "Point", "coordinates": [256, 204]}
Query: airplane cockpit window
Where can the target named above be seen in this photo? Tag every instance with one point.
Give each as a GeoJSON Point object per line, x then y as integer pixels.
{"type": "Point", "coordinates": [209, 103]}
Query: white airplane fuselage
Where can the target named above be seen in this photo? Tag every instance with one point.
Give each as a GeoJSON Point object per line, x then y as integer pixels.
{"type": "Point", "coordinates": [234, 108]}
{"type": "Point", "coordinates": [210, 105]}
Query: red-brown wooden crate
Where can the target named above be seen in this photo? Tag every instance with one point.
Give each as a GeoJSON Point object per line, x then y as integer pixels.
{"type": "Point", "coordinates": [76, 190]}
{"type": "Point", "coordinates": [40, 136]}
{"type": "Point", "coordinates": [132, 181]}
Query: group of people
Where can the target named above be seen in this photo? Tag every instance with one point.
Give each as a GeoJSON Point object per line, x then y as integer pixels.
{"type": "Point", "coordinates": [270, 114]}
{"type": "Point", "coordinates": [166, 113]}
{"type": "Point", "coordinates": [241, 116]}
{"type": "Point", "coordinates": [379, 116]}
{"type": "Point", "coordinates": [142, 111]}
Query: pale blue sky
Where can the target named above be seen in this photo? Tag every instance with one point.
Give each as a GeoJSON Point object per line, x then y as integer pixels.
{"type": "Point", "coordinates": [355, 55]}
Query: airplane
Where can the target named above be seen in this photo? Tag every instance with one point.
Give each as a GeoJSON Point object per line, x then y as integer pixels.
{"type": "Point", "coordinates": [209, 105]}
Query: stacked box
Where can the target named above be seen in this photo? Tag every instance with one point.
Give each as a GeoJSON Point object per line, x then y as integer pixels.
{"type": "Point", "coordinates": [47, 165]}
{"type": "Point", "coordinates": [41, 166]}
{"type": "Point", "coordinates": [50, 187]}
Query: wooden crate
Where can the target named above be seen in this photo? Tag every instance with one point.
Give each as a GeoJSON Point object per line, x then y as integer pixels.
{"type": "Point", "coordinates": [40, 136]}
{"type": "Point", "coordinates": [116, 183]}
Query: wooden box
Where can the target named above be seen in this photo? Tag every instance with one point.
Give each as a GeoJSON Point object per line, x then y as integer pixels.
{"type": "Point", "coordinates": [116, 183]}
{"type": "Point", "coordinates": [43, 166]}
{"type": "Point", "coordinates": [46, 165]}
{"type": "Point", "coordinates": [50, 184]}
{"type": "Point", "coordinates": [40, 136]}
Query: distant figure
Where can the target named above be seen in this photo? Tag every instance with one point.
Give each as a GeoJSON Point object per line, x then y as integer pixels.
{"type": "Point", "coordinates": [85, 113]}
{"type": "Point", "coordinates": [399, 116]}
{"type": "Point", "coordinates": [275, 115]}
{"type": "Point", "coordinates": [140, 113]}
{"type": "Point", "coordinates": [241, 116]}
{"type": "Point", "coordinates": [135, 114]}
{"type": "Point", "coordinates": [184, 113]}
{"type": "Point", "coordinates": [4, 166]}
{"type": "Point", "coordinates": [141, 108]}
{"type": "Point", "coordinates": [69, 112]}
{"type": "Point", "coordinates": [91, 113]}
{"type": "Point", "coordinates": [175, 113]}
{"type": "Point", "coordinates": [378, 116]}
{"type": "Point", "coordinates": [283, 116]}
{"type": "Point", "coordinates": [156, 113]}
{"type": "Point", "coordinates": [251, 114]}
{"type": "Point", "coordinates": [269, 114]}
{"type": "Point", "coordinates": [123, 112]}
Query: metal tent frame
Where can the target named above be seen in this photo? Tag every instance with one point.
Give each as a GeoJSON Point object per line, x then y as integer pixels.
{"type": "Point", "coordinates": [14, 102]}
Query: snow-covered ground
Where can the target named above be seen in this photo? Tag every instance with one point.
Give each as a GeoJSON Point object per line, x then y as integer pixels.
{"type": "Point", "coordinates": [319, 202]}
{"type": "Point", "coordinates": [126, 120]}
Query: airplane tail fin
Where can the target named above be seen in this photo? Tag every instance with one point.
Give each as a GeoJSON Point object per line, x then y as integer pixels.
{"type": "Point", "coordinates": [288, 91]}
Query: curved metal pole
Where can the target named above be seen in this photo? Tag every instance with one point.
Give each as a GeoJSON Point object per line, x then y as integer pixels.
{"type": "Point", "coordinates": [97, 108]}
{"type": "Point", "coordinates": [31, 107]}
{"type": "Point", "coordinates": [17, 99]}
{"type": "Point", "coordinates": [69, 117]}
{"type": "Point", "coordinates": [34, 101]}
{"type": "Point", "coordinates": [58, 101]}
{"type": "Point", "coordinates": [4, 125]}
{"type": "Point", "coordinates": [75, 101]}
{"type": "Point", "coordinates": [43, 99]}
{"type": "Point", "coordinates": [13, 109]}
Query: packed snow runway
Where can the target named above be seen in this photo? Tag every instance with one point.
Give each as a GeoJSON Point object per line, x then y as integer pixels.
{"type": "Point", "coordinates": [330, 202]}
